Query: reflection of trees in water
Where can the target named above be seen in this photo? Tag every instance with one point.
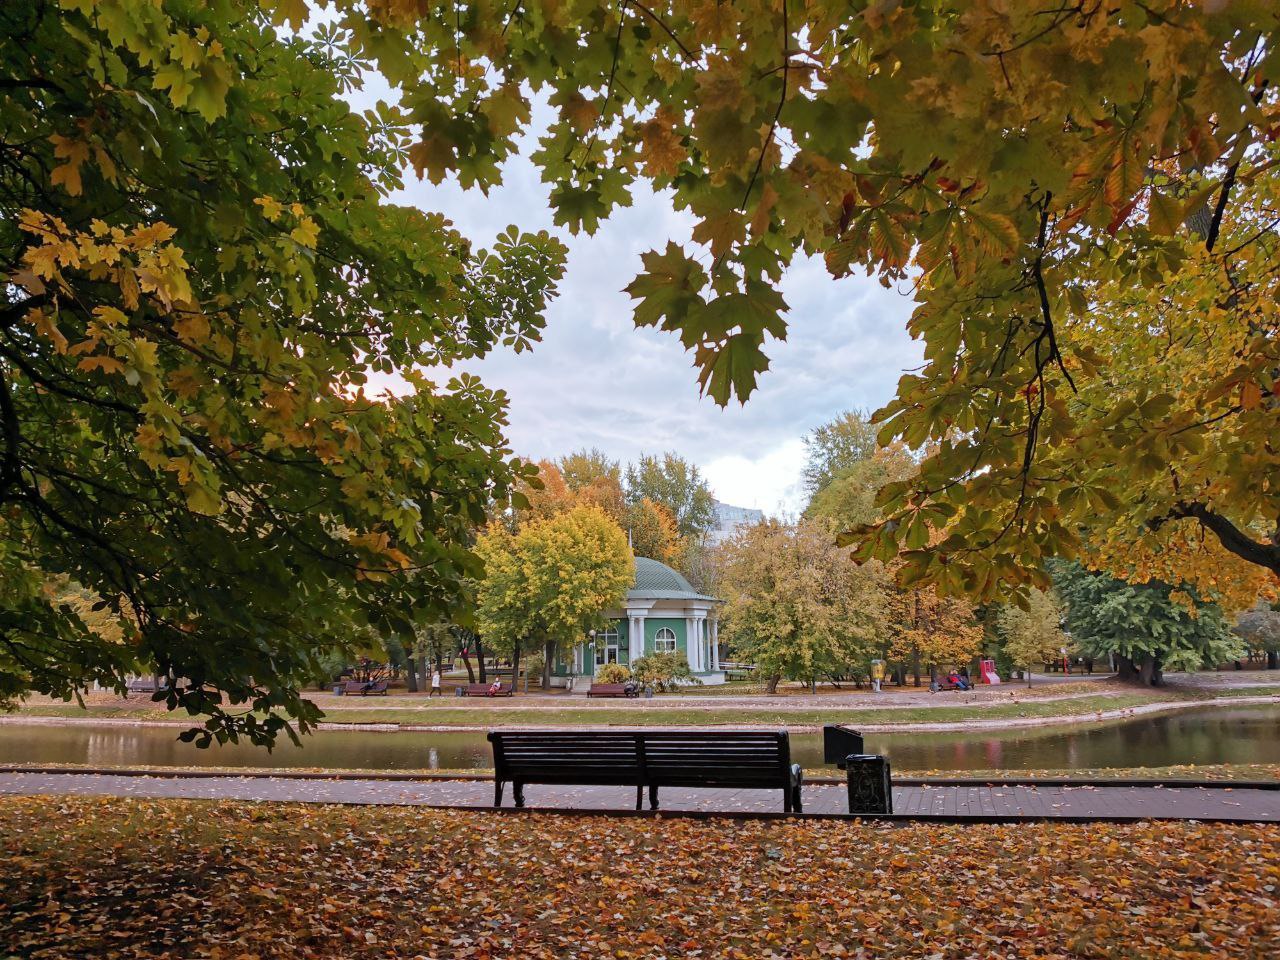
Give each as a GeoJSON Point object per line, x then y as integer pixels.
{"type": "Point", "coordinates": [1210, 735]}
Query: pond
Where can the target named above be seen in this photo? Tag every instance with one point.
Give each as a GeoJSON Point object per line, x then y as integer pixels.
{"type": "Point", "coordinates": [1205, 735]}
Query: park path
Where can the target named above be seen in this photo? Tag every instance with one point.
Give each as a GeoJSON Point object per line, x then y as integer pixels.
{"type": "Point", "coordinates": [1004, 801]}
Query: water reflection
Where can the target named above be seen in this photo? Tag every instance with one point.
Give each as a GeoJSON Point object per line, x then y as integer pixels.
{"type": "Point", "coordinates": [1247, 734]}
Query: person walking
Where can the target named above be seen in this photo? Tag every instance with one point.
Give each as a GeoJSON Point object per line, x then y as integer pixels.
{"type": "Point", "coordinates": [435, 682]}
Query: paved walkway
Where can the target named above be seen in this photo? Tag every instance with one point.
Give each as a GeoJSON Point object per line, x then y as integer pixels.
{"type": "Point", "coordinates": [1004, 801]}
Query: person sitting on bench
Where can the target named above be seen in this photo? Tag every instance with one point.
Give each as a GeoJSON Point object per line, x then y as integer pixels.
{"type": "Point", "coordinates": [495, 688]}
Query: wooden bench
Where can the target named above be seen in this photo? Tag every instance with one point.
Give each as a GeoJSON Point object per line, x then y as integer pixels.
{"type": "Point", "coordinates": [365, 688]}
{"type": "Point", "coordinates": [611, 690]}
{"type": "Point", "coordinates": [482, 690]}
{"type": "Point", "coordinates": [646, 758]}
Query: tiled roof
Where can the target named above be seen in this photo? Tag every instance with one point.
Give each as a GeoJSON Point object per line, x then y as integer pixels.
{"type": "Point", "coordinates": [654, 577]}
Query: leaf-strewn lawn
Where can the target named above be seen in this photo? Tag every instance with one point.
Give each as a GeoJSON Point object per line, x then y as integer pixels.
{"type": "Point", "coordinates": [114, 877]}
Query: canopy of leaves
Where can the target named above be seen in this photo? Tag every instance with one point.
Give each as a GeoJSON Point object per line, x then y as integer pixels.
{"type": "Point", "coordinates": [1082, 197]}
{"type": "Point", "coordinates": [1142, 622]}
{"type": "Point", "coordinates": [1034, 635]}
{"type": "Point", "coordinates": [653, 533]}
{"type": "Point", "coordinates": [1260, 628]}
{"type": "Point", "coordinates": [281, 881]}
{"type": "Point", "coordinates": [203, 277]}
{"type": "Point", "coordinates": [552, 580]}
{"type": "Point", "coordinates": [675, 483]}
{"type": "Point", "coordinates": [837, 447]}
{"type": "Point", "coordinates": [852, 495]}
{"type": "Point", "coordinates": [794, 604]}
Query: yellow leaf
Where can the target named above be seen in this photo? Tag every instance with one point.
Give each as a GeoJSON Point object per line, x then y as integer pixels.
{"type": "Point", "coordinates": [306, 233]}
{"type": "Point", "coordinates": [105, 364]}
{"type": "Point", "coordinates": [74, 153]}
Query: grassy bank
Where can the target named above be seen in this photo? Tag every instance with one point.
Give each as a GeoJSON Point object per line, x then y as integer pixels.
{"type": "Point", "coordinates": [571, 714]}
{"type": "Point", "coordinates": [116, 877]}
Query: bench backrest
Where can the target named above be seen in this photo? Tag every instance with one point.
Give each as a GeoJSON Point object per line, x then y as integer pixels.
{"type": "Point", "coordinates": [658, 757]}
{"type": "Point", "coordinates": [608, 688]}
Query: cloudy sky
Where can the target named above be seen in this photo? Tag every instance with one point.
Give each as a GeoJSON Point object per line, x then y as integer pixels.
{"type": "Point", "coordinates": [597, 381]}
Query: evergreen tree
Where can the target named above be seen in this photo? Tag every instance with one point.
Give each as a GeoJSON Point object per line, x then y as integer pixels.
{"type": "Point", "coordinates": [1149, 627]}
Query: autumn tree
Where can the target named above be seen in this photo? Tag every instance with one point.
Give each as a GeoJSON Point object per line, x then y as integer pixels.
{"type": "Point", "coordinates": [1148, 627]}
{"type": "Point", "coordinates": [1081, 197]}
{"type": "Point", "coordinates": [550, 582]}
{"type": "Point", "coordinates": [1032, 635]}
{"type": "Point", "coordinates": [1259, 627]}
{"type": "Point", "coordinates": [653, 533]}
{"type": "Point", "coordinates": [678, 485]}
{"type": "Point", "coordinates": [796, 607]}
{"type": "Point", "coordinates": [851, 495]}
{"type": "Point", "coordinates": [583, 468]}
{"type": "Point", "coordinates": [836, 447]}
{"type": "Point", "coordinates": [204, 276]}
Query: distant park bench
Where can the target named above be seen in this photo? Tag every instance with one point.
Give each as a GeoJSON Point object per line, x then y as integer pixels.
{"type": "Point", "coordinates": [646, 758]}
{"type": "Point", "coordinates": [365, 688]}
{"type": "Point", "coordinates": [483, 690]}
{"type": "Point", "coordinates": [612, 690]}
{"type": "Point", "coordinates": [142, 685]}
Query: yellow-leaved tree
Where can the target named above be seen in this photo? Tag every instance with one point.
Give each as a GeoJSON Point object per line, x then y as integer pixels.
{"type": "Point", "coordinates": [796, 606]}
{"type": "Point", "coordinates": [1033, 635]}
{"type": "Point", "coordinates": [550, 582]}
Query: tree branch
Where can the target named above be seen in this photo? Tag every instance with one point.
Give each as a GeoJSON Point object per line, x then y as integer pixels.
{"type": "Point", "coordinates": [1229, 535]}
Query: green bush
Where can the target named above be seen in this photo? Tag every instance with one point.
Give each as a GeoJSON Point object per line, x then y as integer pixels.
{"type": "Point", "coordinates": [612, 673]}
{"type": "Point", "coordinates": [663, 670]}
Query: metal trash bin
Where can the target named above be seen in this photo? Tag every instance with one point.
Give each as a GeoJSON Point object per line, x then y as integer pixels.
{"type": "Point", "coordinates": [870, 784]}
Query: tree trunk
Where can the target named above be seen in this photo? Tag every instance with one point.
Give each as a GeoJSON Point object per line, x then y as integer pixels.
{"type": "Point", "coordinates": [515, 668]}
{"type": "Point", "coordinates": [484, 672]}
{"type": "Point", "coordinates": [1151, 672]}
{"type": "Point", "coordinates": [410, 673]}
{"type": "Point", "coordinates": [1126, 669]}
{"type": "Point", "coordinates": [915, 664]}
{"type": "Point", "coordinates": [548, 653]}
{"type": "Point", "coordinates": [466, 660]}
{"type": "Point", "coordinates": [1272, 658]}
{"type": "Point", "coordinates": [771, 683]}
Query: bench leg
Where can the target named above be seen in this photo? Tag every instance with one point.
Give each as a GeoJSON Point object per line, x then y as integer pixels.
{"type": "Point", "coordinates": [517, 790]}
{"type": "Point", "coordinates": [497, 793]}
{"type": "Point", "coordinates": [653, 798]}
{"type": "Point", "coordinates": [786, 800]}
{"type": "Point", "coordinates": [640, 797]}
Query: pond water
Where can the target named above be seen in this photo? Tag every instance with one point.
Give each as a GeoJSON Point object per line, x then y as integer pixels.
{"type": "Point", "coordinates": [1245, 734]}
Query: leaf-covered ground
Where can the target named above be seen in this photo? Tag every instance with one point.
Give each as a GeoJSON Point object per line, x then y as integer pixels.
{"type": "Point", "coordinates": [121, 878]}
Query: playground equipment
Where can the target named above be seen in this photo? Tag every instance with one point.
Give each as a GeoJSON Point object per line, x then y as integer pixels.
{"type": "Point", "coordinates": [988, 671]}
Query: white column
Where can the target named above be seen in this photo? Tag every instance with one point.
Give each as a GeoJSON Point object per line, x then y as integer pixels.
{"type": "Point", "coordinates": [700, 626]}
{"type": "Point", "coordinates": [715, 643]}
{"type": "Point", "coordinates": [635, 637]}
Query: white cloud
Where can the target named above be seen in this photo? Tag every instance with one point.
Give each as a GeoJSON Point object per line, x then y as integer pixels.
{"type": "Point", "coordinates": [596, 380]}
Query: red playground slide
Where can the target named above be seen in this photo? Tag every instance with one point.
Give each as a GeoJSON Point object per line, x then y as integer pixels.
{"type": "Point", "coordinates": [989, 674]}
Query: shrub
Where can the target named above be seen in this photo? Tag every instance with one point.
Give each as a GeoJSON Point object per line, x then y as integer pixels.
{"type": "Point", "coordinates": [612, 673]}
{"type": "Point", "coordinates": [663, 670]}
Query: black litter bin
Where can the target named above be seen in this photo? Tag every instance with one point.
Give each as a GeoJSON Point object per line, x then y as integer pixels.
{"type": "Point", "coordinates": [870, 785]}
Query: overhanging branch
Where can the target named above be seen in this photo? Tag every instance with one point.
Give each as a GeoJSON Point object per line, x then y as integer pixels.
{"type": "Point", "coordinates": [1229, 535]}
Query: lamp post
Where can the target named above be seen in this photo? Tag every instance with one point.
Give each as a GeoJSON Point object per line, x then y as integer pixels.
{"type": "Point", "coordinates": [1066, 664]}
{"type": "Point", "coordinates": [591, 645]}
